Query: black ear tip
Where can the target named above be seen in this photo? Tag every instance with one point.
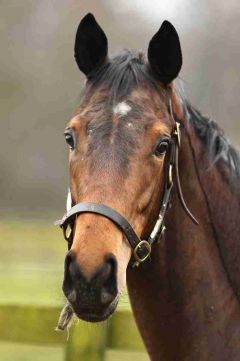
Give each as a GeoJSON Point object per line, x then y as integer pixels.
{"type": "Point", "coordinates": [166, 25]}
{"type": "Point", "coordinates": [89, 16]}
{"type": "Point", "coordinates": [88, 19]}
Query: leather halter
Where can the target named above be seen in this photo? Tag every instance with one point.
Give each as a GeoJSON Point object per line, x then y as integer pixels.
{"type": "Point", "coordinates": [141, 248]}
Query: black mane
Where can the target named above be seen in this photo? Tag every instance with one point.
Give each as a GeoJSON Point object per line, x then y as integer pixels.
{"type": "Point", "coordinates": [212, 136]}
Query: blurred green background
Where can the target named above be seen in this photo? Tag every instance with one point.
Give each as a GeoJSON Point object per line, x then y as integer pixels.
{"type": "Point", "coordinates": [39, 89]}
{"type": "Point", "coordinates": [31, 269]}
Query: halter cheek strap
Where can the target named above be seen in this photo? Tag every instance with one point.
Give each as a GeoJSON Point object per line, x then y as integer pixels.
{"type": "Point", "coordinates": [141, 248]}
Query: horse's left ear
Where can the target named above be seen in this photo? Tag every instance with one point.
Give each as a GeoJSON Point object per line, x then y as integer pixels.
{"type": "Point", "coordinates": [91, 45]}
{"type": "Point", "coordinates": [164, 53]}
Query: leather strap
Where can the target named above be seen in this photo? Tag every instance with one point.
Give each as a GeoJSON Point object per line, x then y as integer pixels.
{"type": "Point", "coordinates": [103, 210]}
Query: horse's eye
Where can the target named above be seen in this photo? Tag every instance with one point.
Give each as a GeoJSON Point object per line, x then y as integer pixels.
{"type": "Point", "coordinates": [69, 139]}
{"type": "Point", "coordinates": [162, 147]}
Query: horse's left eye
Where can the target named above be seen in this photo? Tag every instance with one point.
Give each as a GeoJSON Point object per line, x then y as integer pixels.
{"type": "Point", "coordinates": [69, 139]}
{"type": "Point", "coordinates": [161, 147]}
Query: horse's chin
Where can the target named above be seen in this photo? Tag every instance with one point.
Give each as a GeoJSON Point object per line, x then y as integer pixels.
{"type": "Point", "coordinates": [97, 315]}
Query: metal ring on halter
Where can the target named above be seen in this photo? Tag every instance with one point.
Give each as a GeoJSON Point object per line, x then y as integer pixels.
{"type": "Point", "coordinates": [143, 245]}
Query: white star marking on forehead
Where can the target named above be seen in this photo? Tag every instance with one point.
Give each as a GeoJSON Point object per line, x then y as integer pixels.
{"type": "Point", "coordinates": [122, 109]}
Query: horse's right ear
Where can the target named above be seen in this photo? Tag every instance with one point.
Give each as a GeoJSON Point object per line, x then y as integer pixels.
{"type": "Point", "coordinates": [91, 45]}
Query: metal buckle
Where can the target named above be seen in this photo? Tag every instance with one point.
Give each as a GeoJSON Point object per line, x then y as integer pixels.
{"type": "Point", "coordinates": [177, 132]}
{"type": "Point", "coordinates": [137, 257]}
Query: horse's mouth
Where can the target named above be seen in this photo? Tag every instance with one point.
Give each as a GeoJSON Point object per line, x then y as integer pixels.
{"type": "Point", "coordinates": [95, 314]}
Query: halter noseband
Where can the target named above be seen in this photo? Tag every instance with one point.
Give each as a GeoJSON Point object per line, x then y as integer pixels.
{"type": "Point", "coordinates": [141, 248]}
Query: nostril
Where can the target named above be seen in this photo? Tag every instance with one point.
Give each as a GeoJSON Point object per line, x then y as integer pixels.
{"type": "Point", "coordinates": [105, 272]}
{"type": "Point", "coordinates": [112, 262]}
{"type": "Point", "coordinates": [70, 257]}
{"type": "Point", "coordinates": [68, 277]}
{"type": "Point", "coordinates": [111, 265]}
{"type": "Point", "coordinates": [72, 296]}
{"type": "Point", "coordinates": [108, 280]}
{"type": "Point", "coordinates": [106, 296]}
{"type": "Point", "coordinates": [72, 268]}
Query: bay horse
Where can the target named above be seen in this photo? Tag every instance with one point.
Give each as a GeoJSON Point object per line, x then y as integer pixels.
{"type": "Point", "coordinates": [140, 155]}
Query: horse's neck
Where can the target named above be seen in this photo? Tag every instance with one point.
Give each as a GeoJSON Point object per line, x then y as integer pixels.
{"type": "Point", "coordinates": [221, 189]}
{"type": "Point", "coordinates": [183, 301]}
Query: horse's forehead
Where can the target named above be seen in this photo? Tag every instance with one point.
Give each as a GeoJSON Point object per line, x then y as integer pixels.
{"type": "Point", "coordinates": [140, 99]}
{"type": "Point", "coordinates": [113, 132]}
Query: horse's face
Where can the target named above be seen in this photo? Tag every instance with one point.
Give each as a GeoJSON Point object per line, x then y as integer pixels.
{"type": "Point", "coordinates": [116, 158]}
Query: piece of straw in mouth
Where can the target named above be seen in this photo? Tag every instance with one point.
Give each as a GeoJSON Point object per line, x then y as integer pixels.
{"type": "Point", "coordinates": [65, 318]}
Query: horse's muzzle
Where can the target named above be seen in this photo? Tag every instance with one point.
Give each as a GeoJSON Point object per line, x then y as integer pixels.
{"type": "Point", "coordinates": [95, 299]}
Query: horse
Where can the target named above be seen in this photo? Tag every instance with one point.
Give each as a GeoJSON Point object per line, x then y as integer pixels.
{"type": "Point", "coordinates": [153, 203]}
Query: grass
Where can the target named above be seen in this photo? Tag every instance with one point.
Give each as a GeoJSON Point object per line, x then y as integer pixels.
{"type": "Point", "coordinates": [19, 352]}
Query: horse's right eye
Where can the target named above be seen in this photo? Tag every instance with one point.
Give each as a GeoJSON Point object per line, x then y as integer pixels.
{"type": "Point", "coordinates": [161, 147]}
{"type": "Point", "coordinates": [69, 139]}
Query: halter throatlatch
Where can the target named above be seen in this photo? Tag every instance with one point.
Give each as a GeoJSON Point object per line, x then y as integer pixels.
{"type": "Point", "coordinates": [141, 248]}
{"type": "Point", "coordinates": [177, 133]}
